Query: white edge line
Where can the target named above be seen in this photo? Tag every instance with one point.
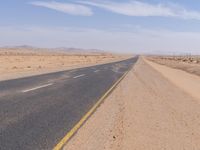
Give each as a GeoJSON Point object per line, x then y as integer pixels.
{"type": "Point", "coordinates": [39, 87]}
{"type": "Point", "coordinates": [79, 76]}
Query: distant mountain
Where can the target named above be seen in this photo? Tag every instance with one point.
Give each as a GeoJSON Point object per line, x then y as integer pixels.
{"type": "Point", "coordinates": [19, 47]}
{"type": "Point", "coordinates": [58, 49]}
{"type": "Point", "coordinates": [78, 50]}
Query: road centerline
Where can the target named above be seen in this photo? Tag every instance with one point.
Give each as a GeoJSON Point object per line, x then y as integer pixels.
{"type": "Point", "coordinates": [78, 76]}
{"type": "Point", "coordinates": [38, 87]}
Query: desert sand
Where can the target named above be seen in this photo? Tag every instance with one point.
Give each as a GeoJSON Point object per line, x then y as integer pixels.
{"type": "Point", "coordinates": [190, 83]}
{"type": "Point", "coordinates": [147, 111]}
{"type": "Point", "coordinates": [20, 63]}
{"type": "Point", "coordinates": [189, 64]}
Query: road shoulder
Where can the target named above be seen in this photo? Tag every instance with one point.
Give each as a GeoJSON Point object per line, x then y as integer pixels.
{"type": "Point", "coordinates": [190, 83]}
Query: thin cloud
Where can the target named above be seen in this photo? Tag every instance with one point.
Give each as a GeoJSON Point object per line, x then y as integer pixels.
{"type": "Point", "coordinates": [69, 8]}
{"type": "Point", "coordinates": [136, 8]}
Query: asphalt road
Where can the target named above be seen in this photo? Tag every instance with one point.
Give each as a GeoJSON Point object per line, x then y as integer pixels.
{"type": "Point", "coordinates": [37, 112]}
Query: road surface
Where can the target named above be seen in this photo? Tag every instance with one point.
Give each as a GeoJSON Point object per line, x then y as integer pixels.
{"type": "Point", "coordinates": [37, 112]}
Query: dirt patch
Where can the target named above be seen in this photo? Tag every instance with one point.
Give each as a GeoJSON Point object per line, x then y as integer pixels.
{"type": "Point", "coordinates": [146, 111]}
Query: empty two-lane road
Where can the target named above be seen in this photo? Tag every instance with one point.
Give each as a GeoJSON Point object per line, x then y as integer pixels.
{"type": "Point", "coordinates": [37, 112]}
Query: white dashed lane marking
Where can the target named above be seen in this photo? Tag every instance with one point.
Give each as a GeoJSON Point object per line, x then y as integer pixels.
{"type": "Point", "coordinates": [79, 76]}
{"type": "Point", "coordinates": [38, 87]}
{"type": "Point", "coordinates": [96, 70]}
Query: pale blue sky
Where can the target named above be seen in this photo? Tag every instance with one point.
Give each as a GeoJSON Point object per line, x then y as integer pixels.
{"type": "Point", "coordinates": [118, 25]}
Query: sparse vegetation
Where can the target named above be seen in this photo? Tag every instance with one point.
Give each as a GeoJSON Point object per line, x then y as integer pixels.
{"type": "Point", "coordinates": [13, 61]}
{"type": "Point", "coordinates": [187, 63]}
{"type": "Point", "coordinates": [186, 58]}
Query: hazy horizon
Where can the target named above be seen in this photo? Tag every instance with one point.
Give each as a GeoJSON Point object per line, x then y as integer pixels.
{"type": "Point", "coordinates": [130, 26]}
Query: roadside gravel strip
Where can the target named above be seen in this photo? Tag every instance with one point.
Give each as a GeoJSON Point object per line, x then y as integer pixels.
{"type": "Point", "coordinates": [146, 111]}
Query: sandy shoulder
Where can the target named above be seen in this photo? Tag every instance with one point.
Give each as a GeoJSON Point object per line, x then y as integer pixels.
{"type": "Point", "coordinates": [190, 83]}
{"type": "Point", "coordinates": [146, 111]}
